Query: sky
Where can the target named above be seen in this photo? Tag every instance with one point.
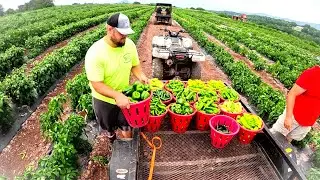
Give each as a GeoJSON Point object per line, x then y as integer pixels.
{"type": "Point", "coordinates": [299, 10]}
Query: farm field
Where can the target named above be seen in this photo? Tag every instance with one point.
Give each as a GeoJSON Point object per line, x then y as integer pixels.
{"type": "Point", "coordinates": [44, 90]}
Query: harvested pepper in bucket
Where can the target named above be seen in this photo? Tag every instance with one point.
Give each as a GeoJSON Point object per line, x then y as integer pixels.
{"type": "Point", "coordinates": [232, 107]}
{"type": "Point", "coordinates": [175, 86]}
{"type": "Point", "coordinates": [216, 85]}
{"type": "Point", "coordinates": [155, 84]}
{"type": "Point", "coordinates": [157, 108]}
{"type": "Point", "coordinates": [209, 94]}
{"type": "Point", "coordinates": [162, 94]}
{"type": "Point", "coordinates": [187, 94]}
{"type": "Point", "coordinates": [181, 107]}
{"type": "Point", "coordinates": [229, 94]}
{"type": "Point", "coordinates": [207, 105]}
{"type": "Point", "coordinates": [196, 85]}
{"type": "Point", "coordinates": [137, 92]}
{"type": "Point", "coordinates": [250, 121]}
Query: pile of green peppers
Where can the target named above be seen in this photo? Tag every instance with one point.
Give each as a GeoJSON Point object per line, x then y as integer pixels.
{"type": "Point", "coordinates": [187, 94]}
{"type": "Point", "coordinates": [137, 92]}
{"type": "Point", "coordinates": [207, 105]}
{"type": "Point", "coordinates": [196, 85]}
{"type": "Point", "coordinates": [229, 94]}
{"type": "Point", "coordinates": [209, 94]}
{"type": "Point", "coordinates": [181, 107]}
{"type": "Point", "coordinates": [157, 108]}
{"type": "Point", "coordinates": [162, 94]}
{"type": "Point", "coordinates": [175, 86]}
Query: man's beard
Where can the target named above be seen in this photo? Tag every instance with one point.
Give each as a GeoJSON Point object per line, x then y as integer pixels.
{"type": "Point", "coordinates": [118, 44]}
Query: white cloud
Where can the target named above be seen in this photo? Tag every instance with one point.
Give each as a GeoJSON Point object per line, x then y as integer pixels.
{"type": "Point", "coordinates": [306, 10]}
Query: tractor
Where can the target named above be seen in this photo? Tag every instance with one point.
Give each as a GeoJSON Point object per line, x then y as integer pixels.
{"type": "Point", "coordinates": [173, 57]}
{"type": "Point", "coordinates": [163, 14]}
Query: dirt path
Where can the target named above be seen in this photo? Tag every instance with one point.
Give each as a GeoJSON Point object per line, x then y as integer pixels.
{"type": "Point", "coordinates": [265, 76]}
{"type": "Point", "coordinates": [28, 146]}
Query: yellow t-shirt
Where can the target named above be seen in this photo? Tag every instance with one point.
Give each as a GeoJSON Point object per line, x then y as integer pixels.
{"type": "Point", "coordinates": [110, 65]}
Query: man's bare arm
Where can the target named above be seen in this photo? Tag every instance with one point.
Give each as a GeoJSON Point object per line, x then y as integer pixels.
{"type": "Point", "coordinates": [295, 91]}
{"type": "Point", "coordinates": [137, 72]}
{"type": "Point", "coordinates": [121, 100]}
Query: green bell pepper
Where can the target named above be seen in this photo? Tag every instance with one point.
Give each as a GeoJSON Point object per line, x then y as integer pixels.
{"type": "Point", "coordinates": [145, 95]}
{"type": "Point", "coordinates": [136, 95]}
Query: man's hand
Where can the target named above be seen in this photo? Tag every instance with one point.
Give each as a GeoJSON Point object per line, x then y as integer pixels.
{"type": "Point", "coordinates": [144, 79]}
{"type": "Point", "coordinates": [288, 123]}
{"type": "Point", "coordinates": [122, 101]}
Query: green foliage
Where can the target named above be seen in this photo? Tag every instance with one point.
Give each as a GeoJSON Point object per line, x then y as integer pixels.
{"type": "Point", "coordinates": [313, 174]}
{"type": "Point", "coordinates": [13, 57]}
{"type": "Point", "coordinates": [6, 116]}
{"type": "Point", "coordinates": [36, 4]}
{"type": "Point", "coordinates": [65, 135]}
{"type": "Point", "coordinates": [19, 87]}
{"type": "Point", "coordinates": [1, 10]}
{"type": "Point", "coordinates": [85, 104]}
{"type": "Point", "coordinates": [76, 87]}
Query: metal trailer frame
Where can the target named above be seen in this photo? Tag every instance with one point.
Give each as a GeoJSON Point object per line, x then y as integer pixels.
{"type": "Point", "coordinates": [125, 156]}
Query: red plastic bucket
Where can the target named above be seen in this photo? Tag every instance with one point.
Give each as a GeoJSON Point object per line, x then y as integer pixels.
{"type": "Point", "coordinates": [138, 114]}
{"type": "Point", "coordinates": [180, 123]}
{"type": "Point", "coordinates": [155, 122]}
{"type": "Point", "coordinates": [218, 139]}
{"type": "Point", "coordinates": [246, 136]}
{"type": "Point", "coordinates": [232, 115]}
{"type": "Point", "coordinates": [202, 120]}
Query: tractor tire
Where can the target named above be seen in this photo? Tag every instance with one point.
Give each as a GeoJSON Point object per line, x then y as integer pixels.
{"type": "Point", "coordinates": [196, 71]}
{"type": "Point", "coordinates": [170, 22]}
{"type": "Point", "coordinates": [157, 68]}
{"type": "Point", "coordinates": [154, 20]}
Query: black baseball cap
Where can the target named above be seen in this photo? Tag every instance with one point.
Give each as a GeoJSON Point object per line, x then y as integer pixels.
{"type": "Point", "coordinates": [121, 23]}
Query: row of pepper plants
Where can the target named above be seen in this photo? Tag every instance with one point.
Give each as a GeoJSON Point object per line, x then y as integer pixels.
{"type": "Point", "coordinates": [286, 39]}
{"type": "Point", "coordinates": [19, 20]}
{"type": "Point", "coordinates": [17, 36]}
{"type": "Point", "coordinates": [23, 88]}
{"type": "Point", "coordinates": [290, 60]}
{"type": "Point", "coordinates": [34, 45]}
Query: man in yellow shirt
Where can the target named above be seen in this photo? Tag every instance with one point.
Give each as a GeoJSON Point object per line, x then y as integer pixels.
{"type": "Point", "coordinates": [108, 64]}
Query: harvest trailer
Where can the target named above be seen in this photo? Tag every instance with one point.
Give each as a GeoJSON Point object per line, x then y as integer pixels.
{"type": "Point", "coordinates": [191, 156]}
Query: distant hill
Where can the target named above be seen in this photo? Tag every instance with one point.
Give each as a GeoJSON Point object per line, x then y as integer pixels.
{"type": "Point", "coordinates": [300, 23]}
{"type": "Point", "coordinates": [307, 31]}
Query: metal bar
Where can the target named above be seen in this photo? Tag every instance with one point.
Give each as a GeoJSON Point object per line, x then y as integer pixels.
{"type": "Point", "coordinates": [296, 170]}
{"type": "Point", "coordinates": [284, 155]}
